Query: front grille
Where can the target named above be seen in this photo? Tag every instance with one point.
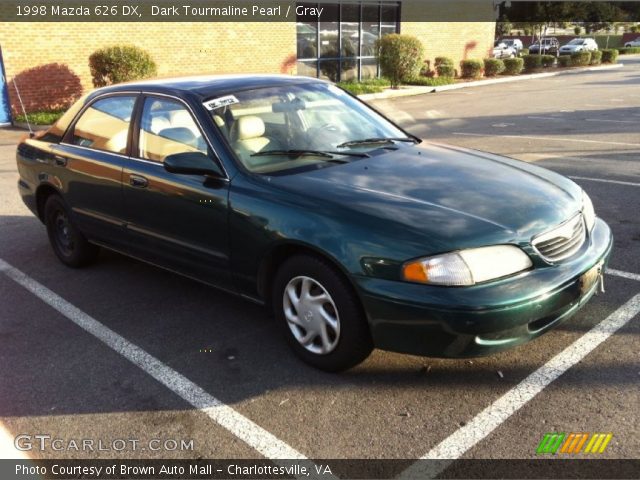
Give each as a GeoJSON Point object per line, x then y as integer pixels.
{"type": "Point", "coordinates": [561, 242]}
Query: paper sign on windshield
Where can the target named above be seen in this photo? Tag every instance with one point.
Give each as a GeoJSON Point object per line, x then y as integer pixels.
{"type": "Point", "coordinates": [220, 102]}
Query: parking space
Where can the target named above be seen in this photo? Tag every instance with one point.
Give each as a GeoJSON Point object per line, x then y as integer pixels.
{"type": "Point", "coordinates": [225, 378]}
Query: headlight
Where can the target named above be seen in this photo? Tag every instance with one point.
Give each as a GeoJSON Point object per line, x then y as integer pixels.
{"type": "Point", "coordinates": [467, 267]}
{"type": "Point", "coordinates": [588, 211]}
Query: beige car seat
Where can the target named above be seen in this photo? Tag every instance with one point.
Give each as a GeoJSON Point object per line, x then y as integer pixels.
{"type": "Point", "coordinates": [247, 134]}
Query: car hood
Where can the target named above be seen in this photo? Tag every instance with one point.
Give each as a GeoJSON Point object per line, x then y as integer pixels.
{"type": "Point", "coordinates": [571, 47]}
{"type": "Point", "coordinates": [452, 194]}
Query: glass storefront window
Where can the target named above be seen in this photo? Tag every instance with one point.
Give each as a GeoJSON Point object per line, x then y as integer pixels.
{"type": "Point", "coordinates": [341, 44]}
{"type": "Point", "coordinates": [329, 31]}
{"type": "Point", "coordinates": [389, 19]}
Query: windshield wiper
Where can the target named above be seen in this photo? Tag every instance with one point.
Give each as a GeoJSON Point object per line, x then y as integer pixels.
{"type": "Point", "coordinates": [367, 141]}
{"type": "Point", "coordinates": [299, 153]}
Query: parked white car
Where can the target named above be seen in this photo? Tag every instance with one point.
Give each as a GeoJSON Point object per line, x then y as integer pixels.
{"type": "Point", "coordinates": [501, 50]}
{"type": "Point", "coordinates": [514, 43]}
{"type": "Point", "coordinates": [633, 43]}
{"type": "Point", "coordinates": [579, 45]}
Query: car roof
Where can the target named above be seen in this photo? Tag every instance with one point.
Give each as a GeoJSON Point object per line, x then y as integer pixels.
{"type": "Point", "coordinates": [206, 86]}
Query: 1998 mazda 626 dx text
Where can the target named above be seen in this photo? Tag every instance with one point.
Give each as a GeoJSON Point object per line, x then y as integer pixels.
{"type": "Point", "coordinates": [293, 193]}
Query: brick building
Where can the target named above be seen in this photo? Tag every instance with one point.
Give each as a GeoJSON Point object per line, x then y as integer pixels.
{"type": "Point", "coordinates": [48, 62]}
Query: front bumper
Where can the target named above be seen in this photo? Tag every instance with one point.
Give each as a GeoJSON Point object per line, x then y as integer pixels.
{"type": "Point", "coordinates": [482, 319]}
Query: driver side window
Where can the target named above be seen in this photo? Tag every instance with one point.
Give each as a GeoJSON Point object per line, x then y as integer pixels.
{"type": "Point", "coordinates": [166, 128]}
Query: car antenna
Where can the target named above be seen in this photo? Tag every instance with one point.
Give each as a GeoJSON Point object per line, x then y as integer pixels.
{"type": "Point", "coordinates": [26, 117]}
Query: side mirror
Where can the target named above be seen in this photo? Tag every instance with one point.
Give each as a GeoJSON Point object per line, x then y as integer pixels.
{"type": "Point", "coordinates": [192, 163]}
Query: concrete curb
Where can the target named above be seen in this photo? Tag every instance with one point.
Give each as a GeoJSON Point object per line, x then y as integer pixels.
{"type": "Point", "coordinates": [410, 91]}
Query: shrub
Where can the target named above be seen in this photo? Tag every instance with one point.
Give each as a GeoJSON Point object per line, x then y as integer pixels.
{"type": "Point", "coordinates": [493, 67]}
{"type": "Point", "coordinates": [471, 68]}
{"type": "Point", "coordinates": [596, 57]}
{"type": "Point", "coordinates": [532, 62]}
{"type": "Point", "coordinates": [564, 61]}
{"type": "Point", "coordinates": [120, 64]}
{"type": "Point", "coordinates": [628, 50]}
{"type": "Point", "coordinates": [444, 67]}
{"type": "Point", "coordinates": [577, 30]}
{"type": "Point", "coordinates": [547, 60]}
{"type": "Point", "coordinates": [400, 57]}
{"type": "Point", "coordinates": [609, 55]}
{"type": "Point", "coordinates": [442, 61]}
{"type": "Point", "coordinates": [446, 70]}
{"type": "Point", "coordinates": [47, 117]}
{"type": "Point", "coordinates": [580, 59]}
{"type": "Point", "coordinates": [430, 81]}
{"type": "Point", "coordinates": [513, 66]}
{"type": "Point", "coordinates": [523, 52]}
{"type": "Point", "coordinates": [372, 85]}
{"type": "Point", "coordinates": [425, 70]}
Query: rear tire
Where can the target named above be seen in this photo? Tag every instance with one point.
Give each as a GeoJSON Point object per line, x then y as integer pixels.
{"type": "Point", "coordinates": [320, 315]}
{"type": "Point", "coordinates": [68, 243]}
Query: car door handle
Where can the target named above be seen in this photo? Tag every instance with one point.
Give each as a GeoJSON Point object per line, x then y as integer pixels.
{"type": "Point", "coordinates": [138, 181]}
{"type": "Point", "coordinates": [60, 161]}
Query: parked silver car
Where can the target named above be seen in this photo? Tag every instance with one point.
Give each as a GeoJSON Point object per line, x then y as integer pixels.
{"type": "Point", "coordinates": [633, 43]}
{"type": "Point", "coordinates": [579, 45]}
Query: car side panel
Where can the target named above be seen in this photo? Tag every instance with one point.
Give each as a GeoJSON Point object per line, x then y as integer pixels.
{"type": "Point", "coordinates": [178, 221]}
{"type": "Point", "coordinates": [88, 181]}
{"type": "Point", "coordinates": [92, 186]}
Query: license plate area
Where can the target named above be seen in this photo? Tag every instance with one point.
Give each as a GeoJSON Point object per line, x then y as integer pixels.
{"type": "Point", "coordinates": [590, 278]}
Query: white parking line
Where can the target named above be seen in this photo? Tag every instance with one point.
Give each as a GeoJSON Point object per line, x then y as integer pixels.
{"type": "Point", "coordinates": [620, 273]}
{"type": "Point", "coordinates": [8, 451]}
{"type": "Point", "coordinates": [545, 118]}
{"type": "Point", "coordinates": [608, 121]}
{"type": "Point", "coordinates": [239, 425]}
{"type": "Point", "coordinates": [465, 438]}
{"type": "Point", "coordinates": [619, 182]}
{"type": "Point", "coordinates": [547, 138]}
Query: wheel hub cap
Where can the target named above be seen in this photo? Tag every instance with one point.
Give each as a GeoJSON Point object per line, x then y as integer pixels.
{"type": "Point", "coordinates": [312, 315]}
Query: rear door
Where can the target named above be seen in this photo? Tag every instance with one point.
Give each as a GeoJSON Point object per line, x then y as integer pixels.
{"type": "Point", "coordinates": [174, 220]}
{"type": "Point", "coordinates": [92, 157]}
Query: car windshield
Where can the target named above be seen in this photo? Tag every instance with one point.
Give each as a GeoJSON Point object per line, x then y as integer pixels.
{"type": "Point", "coordinates": [576, 41]}
{"type": "Point", "coordinates": [290, 127]}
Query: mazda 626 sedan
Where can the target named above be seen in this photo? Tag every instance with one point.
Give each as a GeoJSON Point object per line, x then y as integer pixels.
{"type": "Point", "coordinates": [293, 193]}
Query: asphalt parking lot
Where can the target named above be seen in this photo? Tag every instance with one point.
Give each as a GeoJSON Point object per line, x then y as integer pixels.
{"type": "Point", "coordinates": [124, 350]}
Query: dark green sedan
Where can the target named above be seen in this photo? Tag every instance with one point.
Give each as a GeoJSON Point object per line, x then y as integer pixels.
{"type": "Point", "coordinates": [292, 193]}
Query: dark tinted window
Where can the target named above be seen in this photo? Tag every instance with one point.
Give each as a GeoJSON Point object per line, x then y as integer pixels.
{"type": "Point", "coordinates": [105, 124]}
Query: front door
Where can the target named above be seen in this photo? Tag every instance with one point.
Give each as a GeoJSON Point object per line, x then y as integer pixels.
{"type": "Point", "coordinates": [174, 220]}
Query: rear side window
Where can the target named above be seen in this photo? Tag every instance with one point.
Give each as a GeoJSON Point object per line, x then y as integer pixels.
{"type": "Point", "coordinates": [166, 128]}
{"type": "Point", "coordinates": [105, 124]}
{"type": "Point", "coordinates": [56, 132]}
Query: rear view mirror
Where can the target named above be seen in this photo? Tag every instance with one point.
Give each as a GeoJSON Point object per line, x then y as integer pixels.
{"type": "Point", "coordinates": [192, 163]}
{"type": "Point", "coordinates": [292, 106]}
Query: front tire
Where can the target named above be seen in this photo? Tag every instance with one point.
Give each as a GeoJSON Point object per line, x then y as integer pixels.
{"type": "Point", "coordinates": [320, 315]}
{"type": "Point", "coordinates": [68, 243]}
